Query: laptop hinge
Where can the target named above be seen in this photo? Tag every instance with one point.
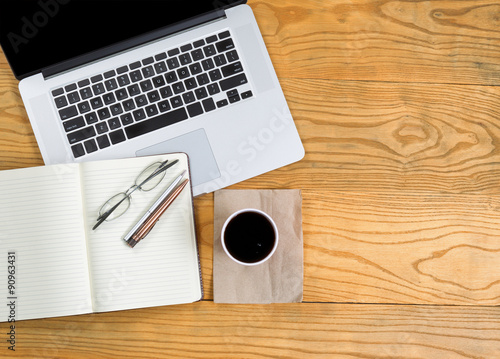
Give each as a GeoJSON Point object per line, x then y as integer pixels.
{"type": "Point", "coordinates": [131, 43]}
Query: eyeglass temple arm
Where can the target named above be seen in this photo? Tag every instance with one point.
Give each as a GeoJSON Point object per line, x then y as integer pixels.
{"type": "Point", "coordinates": [106, 214]}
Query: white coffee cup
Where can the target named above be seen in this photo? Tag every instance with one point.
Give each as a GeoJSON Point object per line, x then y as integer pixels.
{"type": "Point", "coordinates": [249, 236]}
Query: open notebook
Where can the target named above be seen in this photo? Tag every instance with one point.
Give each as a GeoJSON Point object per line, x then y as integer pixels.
{"type": "Point", "coordinates": [59, 266]}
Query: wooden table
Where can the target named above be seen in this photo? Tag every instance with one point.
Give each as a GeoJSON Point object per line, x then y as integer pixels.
{"type": "Point", "coordinates": [398, 107]}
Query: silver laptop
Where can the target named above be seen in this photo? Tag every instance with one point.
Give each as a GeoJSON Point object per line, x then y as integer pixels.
{"type": "Point", "coordinates": [112, 79]}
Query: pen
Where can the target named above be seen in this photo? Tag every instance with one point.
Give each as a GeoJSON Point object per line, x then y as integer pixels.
{"type": "Point", "coordinates": [155, 216]}
{"type": "Point", "coordinates": [155, 205]}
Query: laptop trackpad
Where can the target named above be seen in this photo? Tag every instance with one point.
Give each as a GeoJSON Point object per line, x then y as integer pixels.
{"type": "Point", "coordinates": [195, 144]}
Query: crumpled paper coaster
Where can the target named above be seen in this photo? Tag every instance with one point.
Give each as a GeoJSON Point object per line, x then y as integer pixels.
{"type": "Point", "coordinates": [279, 279]}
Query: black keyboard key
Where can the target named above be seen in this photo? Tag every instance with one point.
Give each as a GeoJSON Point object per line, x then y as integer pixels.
{"type": "Point", "coordinates": [203, 79]}
{"type": "Point", "coordinates": [225, 45]}
{"type": "Point", "coordinates": [197, 55]}
{"type": "Point", "coordinates": [146, 86]}
{"type": "Point", "coordinates": [173, 52]}
{"type": "Point", "coordinates": [211, 39]}
{"type": "Point", "coordinates": [103, 141]}
{"type": "Point", "coordinates": [78, 150]}
{"type": "Point", "coordinates": [215, 75]}
{"type": "Point", "coordinates": [148, 61]}
{"type": "Point", "coordinates": [114, 123]}
{"type": "Point", "coordinates": [213, 89]}
{"type": "Point", "coordinates": [195, 109]}
{"type": "Point", "coordinates": [111, 84]}
{"type": "Point", "coordinates": [104, 113]}
{"type": "Point", "coordinates": [122, 70]}
{"type": "Point", "coordinates": [156, 123]}
{"type": "Point", "coordinates": [161, 56]}
{"type": "Point", "coordinates": [161, 67]}
{"type": "Point", "coordinates": [173, 63]}
{"type": "Point", "coordinates": [148, 71]}
{"type": "Point", "coordinates": [199, 43]}
{"type": "Point", "coordinates": [109, 74]}
{"type": "Point", "coordinates": [153, 96]}
{"type": "Point", "coordinates": [135, 76]}
{"type": "Point", "coordinates": [166, 92]}
{"type": "Point", "coordinates": [135, 65]}
{"type": "Point", "coordinates": [81, 135]}
{"type": "Point", "coordinates": [232, 56]}
{"type": "Point", "coordinates": [222, 103]}
{"type": "Point", "coordinates": [234, 99]}
{"type": "Point", "coordinates": [96, 103]}
{"type": "Point", "coordinates": [90, 146]}
{"type": "Point", "coordinates": [195, 68]}
{"type": "Point", "coordinates": [139, 114]}
{"type": "Point", "coordinates": [74, 124]}
{"type": "Point", "coordinates": [232, 69]}
{"type": "Point", "coordinates": [109, 98]}
{"type": "Point", "coordinates": [159, 81]}
{"type": "Point", "coordinates": [220, 60]}
{"type": "Point", "coordinates": [73, 97]}
{"type": "Point", "coordinates": [208, 104]}
{"type": "Point", "coordinates": [86, 93]}
{"type": "Point", "coordinates": [102, 127]}
{"type": "Point", "coordinates": [98, 89]}
{"type": "Point", "coordinates": [127, 119]}
{"type": "Point", "coordinates": [68, 113]}
{"type": "Point", "coordinates": [84, 107]}
{"type": "Point", "coordinates": [209, 50]}
{"type": "Point", "coordinates": [208, 64]}
{"type": "Point", "coordinates": [224, 34]}
{"type": "Point", "coordinates": [117, 137]}
{"type": "Point", "coordinates": [164, 106]}
{"type": "Point", "coordinates": [128, 105]}
{"type": "Point", "coordinates": [185, 59]}
{"type": "Point", "coordinates": [151, 110]}
{"type": "Point", "coordinates": [201, 93]}
{"type": "Point", "coordinates": [233, 82]}
{"type": "Point", "coordinates": [61, 102]}
{"type": "Point", "coordinates": [123, 80]}
{"type": "Point", "coordinates": [121, 94]}
{"type": "Point", "coordinates": [183, 73]}
{"type": "Point", "coordinates": [116, 109]}
{"type": "Point", "coordinates": [178, 87]}
{"type": "Point", "coordinates": [246, 94]}
{"type": "Point", "coordinates": [171, 77]}
{"type": "Point", "coordinates": [83, 83]}
{"type": "Point", "coordinates": [176, 101]}
{"type": "Point", "coordinates": [70, 88]}
{"type": "Point", "coordinates": [141, 101]}
{"type": "Point", "coordinates": [96, 78]}
{"type": "Point", "coordinates": [190, 83]}
{"type": "Point", "coordinates": [57, 92]}
{"type": "Point", "coordinates": [133, 90]}
{"type": "Point", "coordinates": [189, 97]}
{"type": "Point", "coordinates": [187, 47]}
{"type": "Point", "coordinates": [91, 118]}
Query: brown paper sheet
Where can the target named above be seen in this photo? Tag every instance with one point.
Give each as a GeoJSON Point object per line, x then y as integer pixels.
{"type": "Point", "coordinates": [279, 279]}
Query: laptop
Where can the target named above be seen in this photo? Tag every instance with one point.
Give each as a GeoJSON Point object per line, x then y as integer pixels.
{"type": "Point", "coordinates": [113, 79]}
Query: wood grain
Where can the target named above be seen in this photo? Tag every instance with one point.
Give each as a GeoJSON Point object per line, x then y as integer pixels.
{"type": "Point", "coordinates": [207, 330]}
{"type": "Point", "coordinates": [398, 106]}
{"type": "Point", "coordinates": [387, 41]}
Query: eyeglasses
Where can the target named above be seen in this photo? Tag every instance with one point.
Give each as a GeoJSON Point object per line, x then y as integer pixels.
{"type": "Point", "coordinates": [148, 179]}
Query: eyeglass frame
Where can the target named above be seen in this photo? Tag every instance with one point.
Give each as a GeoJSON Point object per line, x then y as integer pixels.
{"type": "Point", "coordinates": [161, 169]}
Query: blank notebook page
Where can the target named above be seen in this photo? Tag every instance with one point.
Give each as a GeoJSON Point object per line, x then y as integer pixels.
{"type": "Point", "coordinates": [163, 268]}
{"type": "Point", "coordinates": [41, 221]}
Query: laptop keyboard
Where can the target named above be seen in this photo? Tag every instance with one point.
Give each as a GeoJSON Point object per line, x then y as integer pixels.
{"type": "Point", "coordinates": [144, 96]}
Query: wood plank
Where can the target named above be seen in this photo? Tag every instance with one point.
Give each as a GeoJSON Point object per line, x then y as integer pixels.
{"type": "Point", "coordinates": [390, 248]}
{"type": "Point", "coordinates": [388, 40]}
{"type": "Point", "coordinates": [206, 330]}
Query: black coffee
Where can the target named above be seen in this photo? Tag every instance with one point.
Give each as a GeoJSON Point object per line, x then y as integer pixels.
{"type": "Point", "coordinates": [249, 237]}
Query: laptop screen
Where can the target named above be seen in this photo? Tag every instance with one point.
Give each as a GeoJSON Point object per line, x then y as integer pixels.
{"type": "Point", "coordinates": [35, 34]}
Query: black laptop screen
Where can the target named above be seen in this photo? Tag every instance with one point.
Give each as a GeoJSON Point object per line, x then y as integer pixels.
{"type": "Point", "coordinates": [35, 34]}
